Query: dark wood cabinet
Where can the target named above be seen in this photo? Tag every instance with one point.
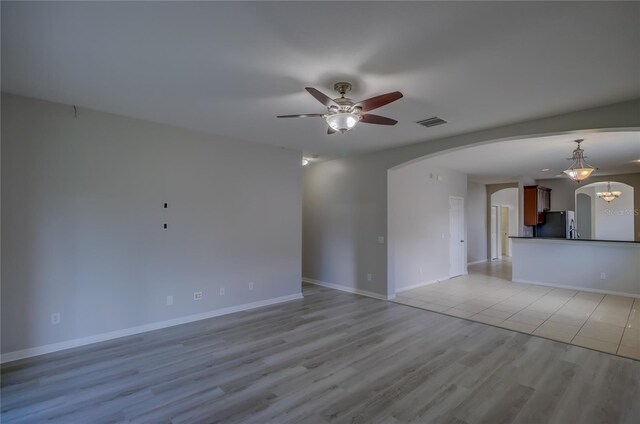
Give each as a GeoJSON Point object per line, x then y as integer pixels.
{"type": "Point", "coordinates": [537, 201]}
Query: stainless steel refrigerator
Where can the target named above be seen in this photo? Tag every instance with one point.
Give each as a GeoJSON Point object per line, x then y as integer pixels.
{"type": "Point", "coordinates": [558, 224]}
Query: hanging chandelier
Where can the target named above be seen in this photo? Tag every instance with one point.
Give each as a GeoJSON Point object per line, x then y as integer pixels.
{"type": "Point", "coordinates": [579, 170]}
{"type": "Point", "coordinates": [608, 196]}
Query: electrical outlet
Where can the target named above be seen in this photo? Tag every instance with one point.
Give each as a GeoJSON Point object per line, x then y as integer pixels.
{"type": "Point", "coordinates": [251, 285]}
{"type": "Point", "coordinates": [197, 295]}
{"type": "Point", "coordinates": [603, 276]}
{"type": "Point", "coordinates": [55, 318]}
{"type": "Point", "coordinates": [369, 277]}
{"type": "Point", "coordinates": [221, 291]}
{"type": "Point", "coordinates": [169, 300]}
{"type": "Point", "coordinates": [381, 239]}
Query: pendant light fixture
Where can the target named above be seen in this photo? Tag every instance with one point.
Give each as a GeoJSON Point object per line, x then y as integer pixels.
{"type": "Point", "coordinates": [608, 196]}
{"type": "Point", "coordinates": [579, 170]}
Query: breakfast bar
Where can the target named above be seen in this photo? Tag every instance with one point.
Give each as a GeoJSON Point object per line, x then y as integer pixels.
{"type": "Point", "coordinates": [599, 266]}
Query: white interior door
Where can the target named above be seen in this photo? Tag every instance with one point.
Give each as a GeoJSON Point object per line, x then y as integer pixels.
{"type": "Point", "coordinates": [494, 232]}
{"type": "Point", "coordinates": [457, 247]}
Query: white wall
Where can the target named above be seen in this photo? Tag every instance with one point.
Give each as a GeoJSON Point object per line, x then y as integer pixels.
{"type": "Point", "coordinates": [419, 222]}
{"type": "Point", "coordinates": [82, 222]}
{"type": "Point", "coordinates": [508, 197]}
{"type": "Point", "coordinates": [614, 221]}
{"type": "Point", "coordinates": [476, 217]}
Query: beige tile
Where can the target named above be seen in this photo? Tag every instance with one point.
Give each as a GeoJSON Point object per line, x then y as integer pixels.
{"type": "Point", "coordinates": [595, 344]}
{"type": "Point", "coordinates": [435, 307]}
{"type": "Point", "coordinates": [526, 319]}
{"type": "Point", "coordinates": [507, 308]}
{"type": "Point", "coordinates": [534, 314]}
{"type": "Point", "coordinates": [594, 297]}
{"type": "Point", "coordinates": [602, 327]}
{"type": "Point", "coordinates": [497, 313]}
{"type": "Point", "coordinates": [518, 326]}
{"type": "Point", "coordinates": [487, 319]}
{"type": "Point", "coordinates": [629, 351]}
{"type": "Point", "coordinates": [601, 331]}
{"type": "Point", "coordinates": [631, 338]}
{"type": "Point", "coordinates": [618, 318]}
{"type": "Point", "coordinates": [568, 320]}
{"type": "Point", "coordinates": [470, 308]}
{"type": "Point", "coordinates": [459, 313]}
{"type": "Point", "coordinates": [557, 331]}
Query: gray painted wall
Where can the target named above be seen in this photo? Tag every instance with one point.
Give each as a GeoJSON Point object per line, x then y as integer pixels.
{"type": "Point", "coordinates": [419, 225]}
{"type": "Point", "coordinates": [346, 199]}
{"type": "Point", "coordinates": [563, 192]}
{"type": "Point", "coordinates": [82, 222]}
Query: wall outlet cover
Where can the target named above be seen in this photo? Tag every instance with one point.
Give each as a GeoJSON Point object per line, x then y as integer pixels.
{"type": "Point", "coordinates": [169, 300]}
{"type": "Point", "coordinates": [55, 318]}
{"type": "Point", "coordinates": [221, 291]}
{"type": "Point", "coordinates": [197, 295]}
{"type": "Point", "coordinates": [251, 285]}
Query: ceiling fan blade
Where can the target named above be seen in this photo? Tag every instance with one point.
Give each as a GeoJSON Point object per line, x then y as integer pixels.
{"type": "Point", "coordinates": [378, 101]}
{"type": "Point", "coordinates": [331, 131]}
{"type": "Point", "coordinates": [302, 115]}
{"type": "Point", "coordinates": [322, 98]}
{"type": "Point", "coordinates": [370, 118]}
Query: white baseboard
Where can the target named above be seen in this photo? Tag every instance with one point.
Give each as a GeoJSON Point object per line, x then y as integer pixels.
{"type": "Point", "coordinates": [477, 262]}
{"type": "Point", "coordinates": [346, 289]}
{"type": "Point", "coordinates": [415, 286]}
{"type": "Point", "coordinates": [41, 350]}
{"type": "Point", "coordinates": [585, 289]}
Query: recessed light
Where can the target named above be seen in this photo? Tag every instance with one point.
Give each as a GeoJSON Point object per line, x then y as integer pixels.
{"type": "Point", "coordinates": [637, 160]}
{"type": "Point", "coordinates": [545, 169]}
{"type": "Point", "coordinates": [305, 161]}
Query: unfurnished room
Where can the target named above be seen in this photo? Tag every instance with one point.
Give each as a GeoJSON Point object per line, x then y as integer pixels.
{"type": "Point", "coordinates": [320, 212]}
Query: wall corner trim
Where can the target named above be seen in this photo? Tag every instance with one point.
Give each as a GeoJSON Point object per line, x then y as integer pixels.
{"type": "Point", "coordinates": [83, 341]}
{"type": "Point", "coordinates": [347, 289]}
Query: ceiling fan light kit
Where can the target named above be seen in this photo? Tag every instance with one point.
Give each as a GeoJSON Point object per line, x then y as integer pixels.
{"type": "Point", "coordinates": [343, 114]}
{"type": "Point", "coordinates": [579, 170]}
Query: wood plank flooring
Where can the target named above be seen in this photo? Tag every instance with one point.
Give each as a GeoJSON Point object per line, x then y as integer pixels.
{"type": "Point", "coordinates": [332, 357]}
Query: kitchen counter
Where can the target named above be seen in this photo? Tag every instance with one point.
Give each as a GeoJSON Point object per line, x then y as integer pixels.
{"type": "Point", "coordinates": [602, 266]}
{"type": "Point", "coordinates": [575, 240]}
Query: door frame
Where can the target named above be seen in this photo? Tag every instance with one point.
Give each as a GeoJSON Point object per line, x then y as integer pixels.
{"type": "Point", "coordinates": [463, 257]}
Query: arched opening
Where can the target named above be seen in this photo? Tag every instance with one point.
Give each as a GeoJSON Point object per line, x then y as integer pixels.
{"type": "Point", "coordinates": [602, 218]}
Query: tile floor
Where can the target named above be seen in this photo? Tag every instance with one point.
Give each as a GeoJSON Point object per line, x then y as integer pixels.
{"type": "Point", "coordinates": [602, 322]}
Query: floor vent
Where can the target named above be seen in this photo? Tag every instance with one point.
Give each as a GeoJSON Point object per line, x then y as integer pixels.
{"type": "Point", "coordinates": [432, 122]}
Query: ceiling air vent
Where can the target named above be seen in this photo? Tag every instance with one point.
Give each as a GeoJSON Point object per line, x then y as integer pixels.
{"type": "Point", "coordinates": [432, 122]}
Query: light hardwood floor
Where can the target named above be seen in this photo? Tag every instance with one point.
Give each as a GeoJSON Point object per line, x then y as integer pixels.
{"type": "Point", "coordinates": [331, 357]}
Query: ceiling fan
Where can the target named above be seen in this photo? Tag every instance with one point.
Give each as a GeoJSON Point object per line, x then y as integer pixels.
{"type": "Point", "coordinates": [343, 113]}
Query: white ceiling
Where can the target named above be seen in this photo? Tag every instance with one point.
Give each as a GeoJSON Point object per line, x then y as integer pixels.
{"type": "Point", "coordinates": [505, 161]}
{"type": "Point", "coordinates": [229, 68]}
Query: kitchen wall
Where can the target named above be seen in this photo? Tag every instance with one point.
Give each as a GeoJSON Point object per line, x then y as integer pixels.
{"type": "Point", "coordinates": [418, 228]}
{"type": "Point", "coordinates": [83, 215]}
{"type": "Point", "coordinates": [346, 199]}
{"type": "Point", "coordinates": [476, 217]}
{"type": "Point", "coordinates": [563, 192]}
